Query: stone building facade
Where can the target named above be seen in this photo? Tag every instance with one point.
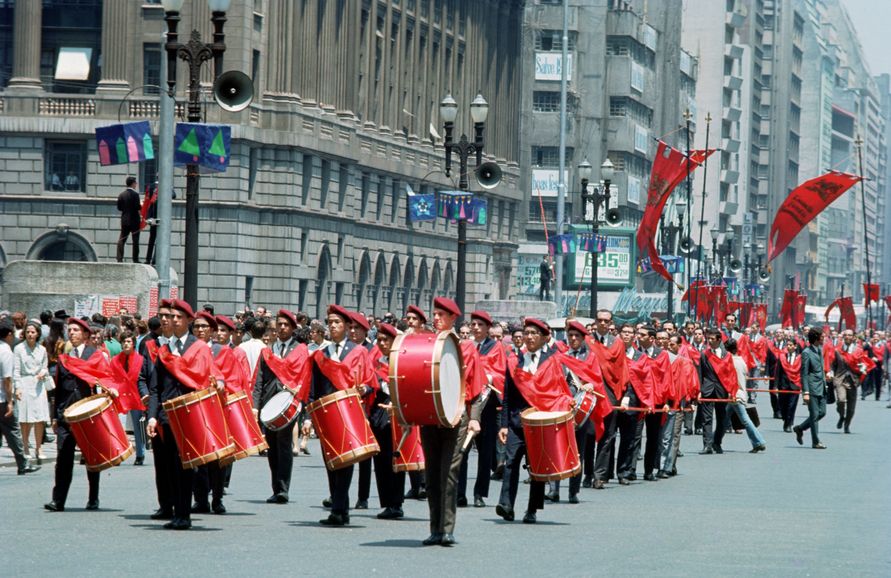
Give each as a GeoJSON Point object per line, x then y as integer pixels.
{"type": "Point", "coordinates": [313, 207]}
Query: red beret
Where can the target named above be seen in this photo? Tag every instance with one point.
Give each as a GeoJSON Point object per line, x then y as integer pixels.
{"type": "Point", "coordinates": [80, 323]}
{"type": "Point", "coordinates": [340, 312]}
{"type": "Point", "coordinates": [165, 304]}
{"type": "Point", "coordinates": [575, 325]}
{"type": "Point", "coordinates": [226, 322]}
{"type": "Point", "coordinates": [360, 320]}
{"type": "Point", "coordinates": [538, 324]}
{"type": "Point", "coordinates": [182, 305]}
{"type": "Point", "coordinates": [289, 315]}
{"type": "Point", "coordinates": [417, 311]}
{"type": "Point", "coordinates": [446, 304]}
{"type": "Point", "coordinates": [207, 317]}
{"type": "Point", "coordinates": [386, 329]}
{"type": "Point", "coordinates": [482, 316]}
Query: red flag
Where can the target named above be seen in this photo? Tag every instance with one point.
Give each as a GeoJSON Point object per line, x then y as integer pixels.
{"type": "Point", "coordinates": [194, 368]}
{"type": "Point", "coordinates": [150, 198]}
{"type": "Point", "coordinates": [846, 307]}
{"type": "Point", "coordinates": [799, 310]}
{"type": "Point", "coordinates": [126, 381]}
{"type": "Point", "coordinates": [887, 299]}
{"type": "Point", "coordinates": [870, 293]}
{"type": "Point", "coordinates": [719, 304]}
{"type": "Point", "coordinates": [803, 204]}
{"type": "Point", "coordinates": [787, 311]}
{"type": "Point", "coordinates": [669, 169]}
{"type": "Point", "coordinates": [759, 313]}
{"type": "Point", "coordinates": [547, 390]}
{"type": "Point", "coordinates": [745, 314]}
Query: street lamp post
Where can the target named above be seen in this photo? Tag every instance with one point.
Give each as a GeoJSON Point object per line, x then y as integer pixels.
{"type": "Point", "coordinates": [592, 201]}
{"type": "Point", "coordinates": [194, 53]}
{"type": "Point", "coordinates": [670, 233]}
{"type": "Point", "coordinates": [448, 111]}
{"type": "Point", "coordinates": [714, 231]}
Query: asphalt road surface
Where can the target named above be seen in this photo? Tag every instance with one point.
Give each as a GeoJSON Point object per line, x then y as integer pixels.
{"type": "Point", "coordinates": [792, 511]}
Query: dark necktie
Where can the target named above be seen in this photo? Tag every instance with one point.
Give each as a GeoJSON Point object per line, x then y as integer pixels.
{"type": "Point", "coordinates": [602, 340]}
{"type": "Point", "coordinates": [337, 350]}
{"type": "Point", "coordinates": [479, 346]}
{"type": "Point", "coordinates": [179, 346]}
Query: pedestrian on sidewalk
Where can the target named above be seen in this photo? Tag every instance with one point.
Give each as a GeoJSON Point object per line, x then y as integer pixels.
{"type": "Point", "coordinates": [9, 423]}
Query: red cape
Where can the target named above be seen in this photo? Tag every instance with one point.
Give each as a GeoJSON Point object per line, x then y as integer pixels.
{"type": "Point", "coordinates": [474, 371]}
{"type": "Point", "coordinates": [126, 381]}
{"type": "Point", "coordinates": [725, 370]}
{"type": "Point", "coordinates": [151, 347]}
{"type": "Point", "coordinates": [495, 364]}
{"type": "Point", "coordinates": [357, 368]}
{"type": "Point", "coordinates": [233, 373]}
{"type": "Point", "coordinates": [194, 368]}
{"type": "Point", "coordinates": [685, 379]}
{"type": "Point", "coordinates": [294, 371]}
{"type": "Point", "coordinates": [547, 390]}
{"type": "Point", "coordinates": [613, 364]}
{"type": "Point", "coordinates": [793, 370]}
{"type": "Point", "coordinates": [744, 349]}
{"type": "Point", "coordinates": [690, 352]}
{"type": "Point", "coordinates": [854, 359]}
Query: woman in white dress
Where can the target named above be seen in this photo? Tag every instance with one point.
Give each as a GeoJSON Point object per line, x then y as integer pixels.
{"type": "Point", "coordinates": [31, 377]}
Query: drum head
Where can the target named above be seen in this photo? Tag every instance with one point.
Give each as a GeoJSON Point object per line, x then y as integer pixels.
{"type": "Point", "coordinates": [450, 385]}
{"type": "Point", "coordinates": [543, 415]}
{"type": "Point", "coordinates": [276, 405]}
{"type": "Point", "coordinates": [86, 407]}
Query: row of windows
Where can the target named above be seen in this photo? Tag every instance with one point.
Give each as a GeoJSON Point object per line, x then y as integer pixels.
{"type": "Point", "coordinates": [627, 46]}
{"type": "Point", "coordinates": [636, 111]}
{"type": "Point", "coordinates": [549, 40]}
{"type": "Point", "coordinates": [548, 156]}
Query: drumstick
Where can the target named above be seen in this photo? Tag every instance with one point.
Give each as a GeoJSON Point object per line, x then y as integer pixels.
{"type": "Point", "coordinates": [405, 433]}
{"type": "Point", "coordinates": [467, 440]}
{"type": "Point", "coordinates": [717, 399]}
{"type": "Point", "coordinates": [760, 378]}
{"type": "Point", "coordinates": [775, 390]}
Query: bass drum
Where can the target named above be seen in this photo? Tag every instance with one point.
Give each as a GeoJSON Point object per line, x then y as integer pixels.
{"type": "Point", "coordinates": [427, 379]}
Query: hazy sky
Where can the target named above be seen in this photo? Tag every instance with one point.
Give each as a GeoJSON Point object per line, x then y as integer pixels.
{"type": "Point", "coordinates": [871, 18]}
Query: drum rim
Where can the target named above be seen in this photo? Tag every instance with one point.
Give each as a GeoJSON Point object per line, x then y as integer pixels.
{"type": "Point", "coordinates": [189, 398]}
{"type": "Point", "coordinates": [353, 456]}
{"type": "Point", "coordinates": [561, 419]}
{"type": "Point", "coordinates": [394, 373]}
{"type": "Point", "coordinates": [119, 459]}
{"type": "Point", "coordinates": [332, 398]}
{"type": "Point", "coordinates": [235, 397]}
{"type": "Point", "coordinates": [561, 475]}
{"type": "Point", "coordinates": [92, 413]}
{"type": "Point", "coordinates": [441, 338]}
{"type": "Point", "coordinates": [283, 412]}
{"type": "Point", "coordinates": [587, 414]}
{"type": "Point", "coordinates": [210, 457]}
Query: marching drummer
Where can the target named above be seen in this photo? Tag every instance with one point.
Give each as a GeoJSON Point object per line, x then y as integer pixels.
{"type": "Point", "coordinates": [417, 323]}
{"type": "Point", "coordinates": [443, 447]}
{"type": "Point", "coordinates": [281, 442]}
{"type": "Point", "coordinates": [69, 389]}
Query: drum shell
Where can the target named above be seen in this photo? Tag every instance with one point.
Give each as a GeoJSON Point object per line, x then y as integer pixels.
{"type": "Point", "coordinates": [585, 401]}
{"type": "Point", "coordinates": [199, 427]}
{"type": "Point", "coordinates": [284, 418]}
{"type": "Point", "coordinates": [551, 448]}
{"type": "Point", "coordinates": [415, 379]}
{"type": "Point", "coordinates": [243, 428]}
{"type": "Point", "coordinates": [340, 422]}
{"type": "Point", "coordinates": [99, 434]}
{"type": "Point", "coordinates": [411, 456]}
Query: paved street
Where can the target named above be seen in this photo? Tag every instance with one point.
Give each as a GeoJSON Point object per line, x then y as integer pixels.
{"type": "Point", "coordinates": [792, 511]}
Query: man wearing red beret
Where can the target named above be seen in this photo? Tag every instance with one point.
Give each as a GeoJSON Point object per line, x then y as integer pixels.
{"type": "Point", "coordinates": [71, 389]}
{"type": "Point", "coordinates": [223, 336]}
{"type": "Point", "coordinates": [416, 319]}
{"type": "Point", "coordinates": [442, 446]}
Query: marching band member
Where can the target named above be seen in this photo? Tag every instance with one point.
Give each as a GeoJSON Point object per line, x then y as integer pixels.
{"type": "Point", "coordinates": [629, 423]}
{"type": "Point", "coordinates": [359, 328]}
{"type": "Point", "coordinates": [417, 323]}
{"type": "Point", "coordinates": [717, 378]}
{"type": "Point", "coordinates": [787, 377]}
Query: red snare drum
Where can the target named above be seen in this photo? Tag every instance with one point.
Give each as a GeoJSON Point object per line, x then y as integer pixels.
{"type": "Point", "coordinates": [340, 422]}
{"type": "Point", "coordinates": [98, 432]}
{"type": "Point", "coordinates": [584, 406]}
{"type": "Point", "coordinates": [427, 379]}
{"type": "Point", "coordinates": [281, 409]}
{"type": "Point", "coordinates": [243, 428]}
{"type": "Point", "coordinates": [550, 445]}
{"type": "Point", "coordinates": [199, 427]}
{"type": "Point", "coordinates": [411, 456]}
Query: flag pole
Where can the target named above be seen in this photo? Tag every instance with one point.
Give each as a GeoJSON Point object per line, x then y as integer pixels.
{"type": "Point", "coordinates": [708, 122]}
{"type": "Point", "coordinates": [858, 142]}
{"type": "Point", "coordinates": [687, 116]}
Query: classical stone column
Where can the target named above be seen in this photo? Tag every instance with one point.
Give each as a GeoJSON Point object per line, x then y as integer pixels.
{"type": "Point", "coordinates": [116, 46]}
{"type": "Point", "coordinates": [26, 30]}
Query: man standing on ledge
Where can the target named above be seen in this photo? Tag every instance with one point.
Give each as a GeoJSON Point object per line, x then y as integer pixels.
{"type": "Point", "coordinates": [131, 218]}
{"type": "Point", "coordinates": [813, 389]}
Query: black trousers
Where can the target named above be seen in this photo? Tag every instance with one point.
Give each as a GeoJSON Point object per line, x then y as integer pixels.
{"type": "Point", "coordinates": [713, 414]}
{"type": "Point", "coordinates": [442, 454]}
{"type": "Point", "coordinates": [208, 481]}
{"type": "Point", "coordinates": [788, 402]}
{"type": "Point", "coordinates": [65, 468]}
{"type": "Point", "coordinates": [588, 455]}
{"type": "Point", "coordinates": [365, 479]}
{"type": "Point", "coordinates": [606, 447]}
{"type": "Point", "coordinates": [150, 250]}
{"type": "Point", "coordinates": [281, 458]}
{"type": "Point", "coordinates": [390, 484]}
{"type": "Point", "coordinates": [515, 451]}
{"type": "Point", "coordinates": [653, 448]}
{"type": "Point", "coordinates": [122, 239]}
{"type": "Point", "coordinates": [179, 478]}
{"type": "Point", "coordinates": [485, 447]}
{"type": "Point", "coordinates": [339, 489]}
{"type": "Point", "coordinates": [630, 432]}
{"type": "Point", "coordinates": [163, 479]}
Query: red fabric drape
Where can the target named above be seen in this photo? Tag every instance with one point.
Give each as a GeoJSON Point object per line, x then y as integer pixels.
{"type": "Point", "coordinates": [547, 390]}
{"type": "Point", "coordinates": [126, 381]}
{"type": "Point", "coordinates": [357, 368]}
{"type": "Point", "coordinates": [194, 368]}
{"type": "Point", "coordinates": [725, 371]}
{"type": "Point", "coordinates": [613, 364]}
{"type": "Point", "coordinates": [233, 372]}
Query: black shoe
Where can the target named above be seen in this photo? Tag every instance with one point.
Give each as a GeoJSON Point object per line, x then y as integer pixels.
{"type": "Point", "coordinates": [335, 520]}
{"type": "Point", "coordinates": [758, 448]}
{"type": "Point", "coordinates": [697, 431]}
{"type": "Point", "coordinates": [587, 483]}
{"type": "Point", "coordinates": [497, 476]}
{"type": "Point", "coordinates": [161, 514]}
{"type": "Point", "coordinates": [499, 470]}
{"type": "Point", "coordinates": [649, 477]}
{"type": "Point", "coordinates": [632, 477]}
{"type": "Point", "coordinates": [847, 430]}
{"type": "Point", "coordinates": [448, 540]}
{"type": "Point", "coordinates": [719, 449]}
{"type": "Point", "coordinates": [277, 499]}
{"type": "Point", "coordinates": [462, 501]}
{"type": "Point", "coordinates": [777, 415]}
{"type": "Point", "coordinates": [327, 502]}
{"type": "Point", "coordinates": [304, 451]}
{"type": "Point", "coordinates": [54, 506]}
{"type": "Point", "coordinates": [599, 484]}
{"type": "Point", "coordinates": [688, 432]}
{"type": "Point", "coordinates": [422, 494]}
{"type": "Point", "coordinates": [412, 494]}
{"type": "Point", "coordinates": [840, 423]}
{"type": "Point", "coordinates": [529, 518]}
{"type": "Point", "coordinates": [362, 505]}
{"type": "Point", "coordinates": [573, 498]}
{"type": "Point", "coordinates": [200, 508]}
{"type": "Point", "coordinates": [505, 512]}
{"type": "Point", "coordinates": [92, 505]}
{"type": "Point", "coordinates": [680, 454]}
{"type": "Point", "coordinates": [799, 435]}
{"type": "Point", "coordinates": [434, 539]}
{"type": "Point", "coordinates": [178, 524]}
{"type": "Point", "coordinates": [218, 508]}
{"type": "Point", "coordinates": [553, 496]}
{"type": "Point", "coordinates": [478, 502]}
{"type": "Point", "coordinates": [139, 461]}
{"type": "Point", "coordinates": [818, 446]}
{"type": "Point", "coordinates": [390, 514]}
{"type": "Point", "coordinates": [706, 451]}
{"type": "Point", "coordinates": [787, 429]}
{"type": "Point", "coordinates": [624, 482]}
{"type": "Point", "coordinates": [662, 475]}
{"type": "Point", "coordinates": [673, 472]}
{"type": "Point", "coordinates": [48, 437]}
{"type": "Point", "coordinates": [29, 469]}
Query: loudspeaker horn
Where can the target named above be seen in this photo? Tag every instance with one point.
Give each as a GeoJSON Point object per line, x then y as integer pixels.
{"type": "Point", "coordinates": [488, 175]}
{"type": "Point", "coordinates": [233, 90]}
{"type": "Point", "coordinates": [613, 217]}
{"type": "Point", "coordinates": [686, 246]}
{"type": "Point", "coordinates": [763, 275]}
{"type": "Point", "coordinates": [735, 265]}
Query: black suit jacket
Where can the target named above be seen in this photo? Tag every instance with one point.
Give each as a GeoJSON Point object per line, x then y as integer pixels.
{"type": "Point", "coordinates": [70, 388]}
{"type": "Point", "coordinates": [709, 384]}
{"type": "Point", "coordinates": [128, 205]}
{"type": "Point", "coordinates": [514, 403]}
{"type": "Point", "coordinates": [267, 384]}
{"type": "Point", "coordinates": [321, 385]}
{"type": "Point", "coordinates": [165, 386]}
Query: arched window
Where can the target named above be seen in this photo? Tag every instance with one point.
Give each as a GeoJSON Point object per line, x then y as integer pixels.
{"type": "Point", "coordinates": [363, 280]}
{"type": "Point", "coordinates": [391, 288]}
{"type": "Point", "coordinates": [61, 244]}
{"type": "Point", "coordinates": [323, 283]}
{"type": "Point", "coordinates": [380, 275]}
{"type": "Point", "coordinates": [407, 282]}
